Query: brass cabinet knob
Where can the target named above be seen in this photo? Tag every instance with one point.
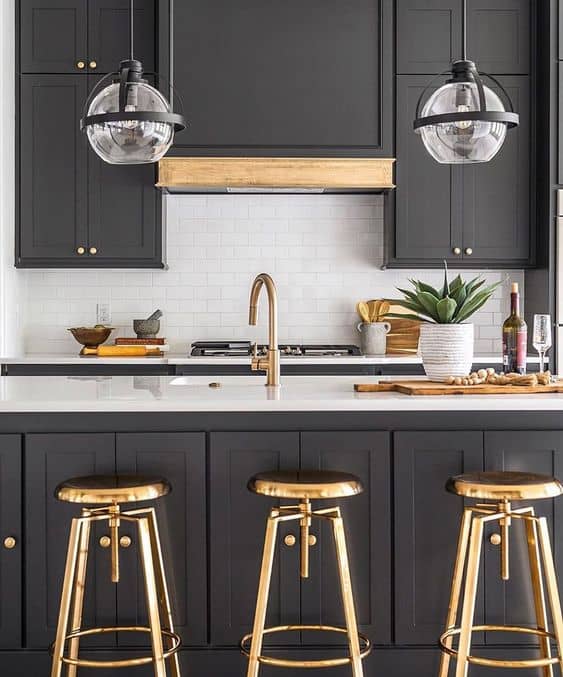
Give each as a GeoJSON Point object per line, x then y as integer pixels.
{"type": "Point", "coordinates": [468, 251]}
{"type": "Point", "coordinates": [456, 251]}
{"type": "Point", "coordinates": [9, 542]}
{"type": "Point", "coordinates": [81, 65]}
{"type": "Point", "coordinates": [289, 540]}
{"type": "Point", "coordinates": [495, 539]}
{"type": "Point", "coordinates": [125, 541]}
{"type": "Point", "coordinates": [312, 539]}
{"type": "Point", "coordinates": [93, 64]}
{"type": "Point", "coordinates": [105, 541]}
{"type": "Point", "coordinates": [80, 251]}
{"type": "Point", "coordinates": [93, 251]}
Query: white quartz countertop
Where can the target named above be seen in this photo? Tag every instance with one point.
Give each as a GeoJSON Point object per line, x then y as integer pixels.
{"type": "Point", "coordinates": [182, 358]}
{"type": "Point", "coordinates": [237, 394]}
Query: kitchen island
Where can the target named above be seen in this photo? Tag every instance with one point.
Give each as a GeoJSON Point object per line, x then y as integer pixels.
{"type": "Point", "coordinates": [208, 441]}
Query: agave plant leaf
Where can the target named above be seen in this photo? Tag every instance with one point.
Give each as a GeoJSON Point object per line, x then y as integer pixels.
{"type": "Point", "coordinates": [415, 307]}
{"type": "Point", "coordinates": [429, 301]}
{"type": "Point", "coordinates": [409, 294]}
{"type": "Point", "coordinates": [446, 287]}
{"type": "Point", "coordinates": [408, 316]}
{"type": "Point", "coordinates": [459, 294]}
{"type": "Point", "coordinates": [472, 306]}
{"type": "Point", "coordinates": [458, 282]}
{"type": "Point", "coordinates": [475, 284]}
{"type": "Point", "coordinates": [422, 286]}
{"type": "Point", "coordinates": [446, 309]}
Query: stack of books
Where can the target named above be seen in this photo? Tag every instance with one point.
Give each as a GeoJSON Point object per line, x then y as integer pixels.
{"type": "Point", "coordinates": [155, 347]}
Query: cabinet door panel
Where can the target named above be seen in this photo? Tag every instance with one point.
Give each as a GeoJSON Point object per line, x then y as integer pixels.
{"type": "Point", "coordinates": [10, 525]}
{"type": "Point", "coordinates": [367, 522]}
{"type": "Point", "coordinates": [108, 33]}
{"type": "Point", "coordinates": [497, 193]}
{"type": "Point", "coordinates": [53, 36]}
{"type": "Point", "coordinates": [53, 183]}
{"type": "Point", "coordinates": [427, 521]}
{"type": "Point", "coordinates": [50, 459]}
{"type": "Point", "coordinates": [237, 526]}
{"type": "Point", "coordinates": [180, 458]}
{"type": "Point", "coordinates": [428, 35]}
{"type": "Point", "coordinates": [511, 602]}
{"type": "Point", "coordinates": [428, 215]}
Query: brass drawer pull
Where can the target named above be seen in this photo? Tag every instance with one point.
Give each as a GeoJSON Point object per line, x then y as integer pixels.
{"type": "Point", "coordinates": [495, 539]}
{"type": "Point", "coordinates": [105, 541]}
{"type": "Point", "coordinates": [125, 541]}
{"type": "Point", "coordinates": [289, 540]}
{"type": "Point", "coordinates": [312, 539]}
{"type": "Point", "coordinates": [9, 542]}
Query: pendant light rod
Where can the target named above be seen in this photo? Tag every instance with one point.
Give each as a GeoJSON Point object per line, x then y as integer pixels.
{"type": "Point", "coordinates": [131, 28]}
{"type": "Point", "coordinates": [463, 30]}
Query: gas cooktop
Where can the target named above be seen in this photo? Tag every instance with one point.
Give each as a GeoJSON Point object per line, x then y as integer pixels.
{"type": "Point", "coordinates": [242, 348]}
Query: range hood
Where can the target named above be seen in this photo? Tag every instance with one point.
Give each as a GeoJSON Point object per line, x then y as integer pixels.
{"type": "Point", "coordinates": [275, 175]}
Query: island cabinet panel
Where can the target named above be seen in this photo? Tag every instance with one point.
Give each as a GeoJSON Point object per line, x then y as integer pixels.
{"type": "Point", "coordinates": [49, 460]}
{"type": "Point", "coordinates": [10, 527]}
{"type": "Point", "coordinates": [284, 78]}
{"type": "Point", "coordinates": [427, 521]}
{"type": "Point", "coordinates": [237, 521]}
{"type": "Point", "coordinates": [511, 602]}
{"type": "Point", "coordinates": [180, 458]}
{"type": "Point", "coordinates": [367, 523]}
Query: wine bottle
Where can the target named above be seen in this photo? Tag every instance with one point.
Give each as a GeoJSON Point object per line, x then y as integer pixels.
{"type": "Point", "coordinates": [514, 337]}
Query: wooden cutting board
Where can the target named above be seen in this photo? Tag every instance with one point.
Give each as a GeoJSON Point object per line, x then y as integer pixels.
{"type": "Point", "coordinates": [430, 388]}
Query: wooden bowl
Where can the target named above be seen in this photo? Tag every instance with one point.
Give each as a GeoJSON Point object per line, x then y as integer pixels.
{"type": "Point", "coordinates": [91, 337]}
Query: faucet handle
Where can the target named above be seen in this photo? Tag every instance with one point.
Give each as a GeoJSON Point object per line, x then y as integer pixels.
{"type": "Point", "coordinates": [254, 349]}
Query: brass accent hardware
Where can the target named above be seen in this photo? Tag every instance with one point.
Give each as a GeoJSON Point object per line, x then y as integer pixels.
{"type": "Point", "coordinates": [290, 540]}
{"type": "Point", "coordinates": [215, 384]}
{"type": "Point", "coordinates": [81, 65]}
{"type": "Point", "coordinates": [93, 64]}
{"type": "Point", "coordinates": [80, 251]}
{"type": "Point", "coordinates": [271, 363]}
{"type": "Point", "coordinates": [504, 486]}
{"type": "Point", "coordinates": [107, 489]}
{"type": "Point", "coordinates": [125, 541]}
{"type": "Point", "coordinates": [312, 539]}
{"type": "Point", "coordinates": [308, 484]}
{"type": "Point", "coordinates": [456, 251]}
{"type": "Point", "coordinates": [105, 541]}
{"type": "Point", "coordinates": [93, 251]}
{"type": "Point", "coordinates": [9, 542]}
{"type": "Point", "coordinates": [468, 251]}
{"type": "Point", "coordinates": [268, 172]}
{"type": "Point", "coordinates": [495, 539]}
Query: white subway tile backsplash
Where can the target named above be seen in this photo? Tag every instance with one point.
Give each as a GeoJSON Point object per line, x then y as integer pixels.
{"type": "Point", "coordinates": [324, 251]}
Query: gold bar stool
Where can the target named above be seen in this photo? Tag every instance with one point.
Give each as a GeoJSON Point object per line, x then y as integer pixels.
{"type": "Point", "coordinates": [109, 492]}
{"type": "Point", "coordinates": [305, 485]}
{"type": "Point", "coordinates": [501, 488]}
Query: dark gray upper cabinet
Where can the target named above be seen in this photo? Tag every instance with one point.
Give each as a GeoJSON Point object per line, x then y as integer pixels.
{"type": "Point", "coordinates": [284, 78]}
{"type": "Point", "coordinates": [474, 215]}
{"type": "Point", "coordinates": [81, 36]}
{"type": "Point", "coordinates": [367, 526]}
{"type": "Point", "coordinates": [427, 521]}
{"type": "Point", "coordinates": [429, 35]}
{"type": "Point", "coordinates": [10, 526]}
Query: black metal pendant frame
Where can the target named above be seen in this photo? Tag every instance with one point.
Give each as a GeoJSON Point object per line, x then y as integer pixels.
{"type": "Point", "coordinates": [465, 71]}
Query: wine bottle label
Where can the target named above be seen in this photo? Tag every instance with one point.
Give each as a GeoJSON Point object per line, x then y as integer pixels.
{"type": "Point", "coordinates": [514, 349]}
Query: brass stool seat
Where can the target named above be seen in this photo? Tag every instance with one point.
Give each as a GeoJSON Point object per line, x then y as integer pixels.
{"type": "Point", "coordinates": [502, 487]}
{"type": "Point", "coordinates": [310, 484]}
{"type": "Point", "coordinates": [505, 486]}
{"type": "Point", "coordinates": [107, 489]}
{"type": "Point", "coordinates": [304, 485]}
{"type": "Point", "coordinates": [107, 492]}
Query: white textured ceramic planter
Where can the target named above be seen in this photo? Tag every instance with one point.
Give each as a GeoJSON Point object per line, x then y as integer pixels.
{"type": "Point", "coordinates": [446, 350]}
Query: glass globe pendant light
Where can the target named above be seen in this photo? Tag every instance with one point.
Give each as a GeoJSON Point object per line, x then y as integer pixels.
{"type": "Point", "coordinates": [464, 121]}
{"type": "Point", "coordinates": [129, 122]}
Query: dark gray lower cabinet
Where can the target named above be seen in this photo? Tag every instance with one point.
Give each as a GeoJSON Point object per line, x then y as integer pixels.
{"type": "Point", "coordinates": [50, 459]}
{"type": "Point", "coordinates": [367, 521]}
{"type": "Point", "coordinates": [10, 526]}
{"type": "Point", "coordinates": [237, 520]}
{"type": "Point", "coordinates": [180, 458]}
{"type": "Point", "coordinates": [426, 527]}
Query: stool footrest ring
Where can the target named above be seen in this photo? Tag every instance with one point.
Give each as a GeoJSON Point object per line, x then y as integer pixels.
{"type": "Point", "coordinates": [125, 662]}
{"type": "Point", "coordinates": [320, 663]}
{"type": "Point", "coordinates": [497, 662]}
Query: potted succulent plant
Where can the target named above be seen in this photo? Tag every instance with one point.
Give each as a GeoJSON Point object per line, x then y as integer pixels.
{"type": "Point", "coordinates": [446, 338]}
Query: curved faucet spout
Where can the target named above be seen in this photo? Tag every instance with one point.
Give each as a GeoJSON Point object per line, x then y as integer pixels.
{"type": "Point", "coordinates": [271, 363]}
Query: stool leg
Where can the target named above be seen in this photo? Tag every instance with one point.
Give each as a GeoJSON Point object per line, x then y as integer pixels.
{"type": "Point", "coordinates": [79, 588]}
{"type": "Point", "coordinates": [470, 592]}
{"type": "Point", "coordinates": [151, 596]}
{"type": "Point", "coordinates": [263, 594]}
{"type": "Point", "coordinates": [66, 596]}
{"type": "Point", "coordinates": [551, 585]}
{"type": "Point", "coordinates": [457, 580]}
{"type": "Point", "coordinates": [162, 588]}
{"type": "Point", "coordinates": [347, 595]}
{"type": "Point", "coordinates": [537, 587]}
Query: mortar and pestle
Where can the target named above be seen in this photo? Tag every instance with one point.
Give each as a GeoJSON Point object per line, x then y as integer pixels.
{"type": "Point", "coordinates": [148, 328]}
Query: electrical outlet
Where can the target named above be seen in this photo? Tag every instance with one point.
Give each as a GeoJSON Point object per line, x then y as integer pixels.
{"type": "Point", "coordinates": [103, 313]}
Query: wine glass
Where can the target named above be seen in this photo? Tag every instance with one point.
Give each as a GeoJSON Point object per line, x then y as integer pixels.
{"type": "Point", "coordinates": [542, 336]}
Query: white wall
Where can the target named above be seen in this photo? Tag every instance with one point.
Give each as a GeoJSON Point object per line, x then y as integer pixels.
{"type": "Point", "coordinates": [324, 252]}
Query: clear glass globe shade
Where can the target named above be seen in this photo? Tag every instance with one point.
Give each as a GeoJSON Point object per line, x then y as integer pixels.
{"type": "Point", "coordinates": [130, 141]}
{"type": "Point", "coordinates": [465, 141]}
